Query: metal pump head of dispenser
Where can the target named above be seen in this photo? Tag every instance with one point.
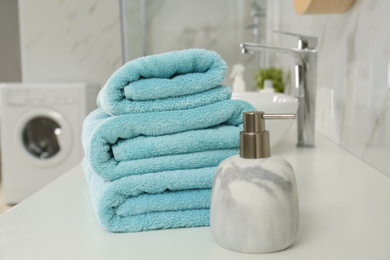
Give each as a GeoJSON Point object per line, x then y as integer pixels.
{"type": "Point", "coordinates": [254, 139]}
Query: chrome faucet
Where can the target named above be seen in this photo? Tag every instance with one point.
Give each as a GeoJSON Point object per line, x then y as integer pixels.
{"type": "Point", "coordinates": [305, 57]}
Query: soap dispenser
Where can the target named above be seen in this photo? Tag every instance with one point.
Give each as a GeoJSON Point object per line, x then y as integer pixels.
{"type": "Point", "coordinates": [254, 203]}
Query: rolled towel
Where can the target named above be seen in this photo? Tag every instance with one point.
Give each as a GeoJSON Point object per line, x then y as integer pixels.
{"type": "Point", "coordinates": [170, 199]}
{"type": "Point", "coordinates": [102, 135]}
{"type": "Point", "coordinates": [168, 81]}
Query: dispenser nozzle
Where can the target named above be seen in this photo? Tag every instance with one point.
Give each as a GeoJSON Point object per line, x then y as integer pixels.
{"type": "Point", "coordinates": [279, 116]}
{"type": "Point", "coordinates": [254, 139]}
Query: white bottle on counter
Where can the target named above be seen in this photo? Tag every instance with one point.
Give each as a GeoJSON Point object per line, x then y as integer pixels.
{"type": "Point", "coordinates": [238, 79]}
{"type": "Point", "coordinates": [268, 86]}
{"type": "Point", "coordinates": [254, 203]}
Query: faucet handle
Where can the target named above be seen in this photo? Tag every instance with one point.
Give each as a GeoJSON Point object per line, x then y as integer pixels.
{"type": "Point", "coordinates": [304, 41]}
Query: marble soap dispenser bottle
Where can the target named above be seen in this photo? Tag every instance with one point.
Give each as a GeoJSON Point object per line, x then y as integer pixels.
{"type": "Point", "coordinates": [254, 203]}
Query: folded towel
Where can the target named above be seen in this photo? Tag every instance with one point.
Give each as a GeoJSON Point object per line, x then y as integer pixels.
{"type": "Point", "coordinates": [101, 133]}
{"type": "Point", "coordinates": [219, 137]}
{"type": "Point", "coordinates": [169, 199]}
{"type": "Point", "coordinates": [168, 81]}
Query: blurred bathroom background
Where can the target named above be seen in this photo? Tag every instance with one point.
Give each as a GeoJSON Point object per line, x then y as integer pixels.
{"type": "Point", "coordinates": [46, 40]}
{"type": "Point", "coordinates": [353, 83]}
{"type": "Point", "coordinates": [151, 27]}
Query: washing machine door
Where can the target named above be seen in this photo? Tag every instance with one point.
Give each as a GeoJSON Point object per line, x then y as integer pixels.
{"type": "Point", "coordinates": [43, 137]}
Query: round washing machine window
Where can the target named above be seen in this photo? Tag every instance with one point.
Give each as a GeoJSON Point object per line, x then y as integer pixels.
{"type": "Point", "coordinates": [43, 137]}
{"type": "Point", "coordinates": [40, 137]}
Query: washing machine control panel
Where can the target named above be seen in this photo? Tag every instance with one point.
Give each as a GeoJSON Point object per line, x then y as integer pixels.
{"type": "Point", "coordinates": [18, 96]}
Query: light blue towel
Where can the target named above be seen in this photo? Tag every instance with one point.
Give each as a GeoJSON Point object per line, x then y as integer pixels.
{"type": "Point", "coordinates": [101, 133]}
{"type": "Point", "coordinates": [168, 81]}
{"type": "Point", "coordinates": [194, 141]}
{"type": "Point", "coordinates": [169, 199]}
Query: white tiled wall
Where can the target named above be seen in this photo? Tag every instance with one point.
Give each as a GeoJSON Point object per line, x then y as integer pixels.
{"type": "Point", "coordinates": [69, 40]}
{"type": "Point", "coordinates": [353, 102]}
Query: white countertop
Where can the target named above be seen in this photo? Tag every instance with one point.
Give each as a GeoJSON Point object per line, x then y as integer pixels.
{"type": "Point", "coordinates": [344, 214]}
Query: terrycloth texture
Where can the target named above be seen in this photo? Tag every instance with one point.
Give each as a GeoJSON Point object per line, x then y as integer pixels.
{"type": "Point", "coordinates": [219, 137]}
{"type": "Point", "coordinates": [163, 125]}
{"type": "Point", "coordinates": [170, 199]}
{"type": "Point", "coordinates": [168, 81]}
{"type": "Point", "coordinates": [101, 132]}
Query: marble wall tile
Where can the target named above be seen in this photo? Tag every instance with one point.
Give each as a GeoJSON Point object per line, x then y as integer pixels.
{"type": "Point", "coordinates": [69, 40]}
{"type": "Point", "coordinates": [353, 75]}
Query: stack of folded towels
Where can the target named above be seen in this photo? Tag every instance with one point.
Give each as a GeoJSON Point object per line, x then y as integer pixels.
{"type": "Point", "coordinates": [163, 124]}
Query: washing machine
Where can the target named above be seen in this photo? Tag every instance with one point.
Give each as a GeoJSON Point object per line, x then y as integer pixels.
{"type": "Point", "coordinates": [41, 128]}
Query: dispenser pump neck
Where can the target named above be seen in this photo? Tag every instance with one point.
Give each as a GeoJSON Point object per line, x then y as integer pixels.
{"type": "Point", "coordinates": [254, 139]}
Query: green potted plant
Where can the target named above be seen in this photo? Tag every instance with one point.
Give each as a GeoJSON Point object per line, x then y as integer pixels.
{"type": "Point", "coordinates": [272, 73]}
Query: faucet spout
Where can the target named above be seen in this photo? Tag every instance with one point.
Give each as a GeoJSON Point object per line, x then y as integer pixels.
{"type": "Point", "coordinates": [305, 86]}
{"type": "Point", "coordinates": [249, 48]}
